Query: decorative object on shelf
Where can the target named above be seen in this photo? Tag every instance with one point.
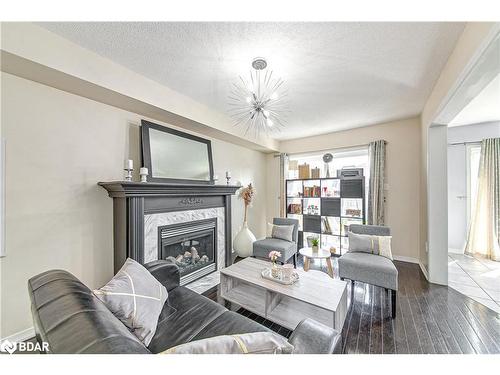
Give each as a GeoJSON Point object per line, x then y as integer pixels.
{"type": "Point", "coordinates": [274, 255]}
{"type": "Point", "coordinates": [228, 177]}
{"type": "Point", "coordinates": [216, 178]}
{"type": "Point", "coordinates": [315, 244]}
{"type": "Point", "coordinates": [353, 212]}
{"type": "Point", "coordinates": [129, 167]}
{"type": "Point", "coordinates": [143, 172]}
{"type": "Point", "coordinates": [304, 172]}
{"type": "Point", "coordinates": [327, 158]}
{"type": "Point", "coordinates": [259, 103]}
{"type": "Point", "coordinates": [312, 191]}
{"type": "Point", "coordinates": [293, 169]}
{"type": "Point", "coordinates": [243, 242]}
{"type": "Point", "coordinates": [292, 279]}
{"type": "Point", "coordinates": [315, 173]}
{"type": "Point", "coordinates": [295, 208]}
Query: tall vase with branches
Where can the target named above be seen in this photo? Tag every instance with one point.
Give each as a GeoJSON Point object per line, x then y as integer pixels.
{"type": "Point", "coordinates": [243, 242]}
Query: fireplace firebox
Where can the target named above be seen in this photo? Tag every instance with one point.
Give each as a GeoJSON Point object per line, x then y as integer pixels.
{"type": "Point", "coordinates": [192, 246]}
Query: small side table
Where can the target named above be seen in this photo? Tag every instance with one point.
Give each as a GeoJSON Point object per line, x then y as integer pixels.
{"type": "Point", "coordinates": [309, 254]}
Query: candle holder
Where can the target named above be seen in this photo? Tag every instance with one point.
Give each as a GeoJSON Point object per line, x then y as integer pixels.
{"type": "Point", "coordinates": [128, 176]}
{"type": "Point", "coordinates": [143, 172]}
{"type": "Point", "coordinates": [228, 179]}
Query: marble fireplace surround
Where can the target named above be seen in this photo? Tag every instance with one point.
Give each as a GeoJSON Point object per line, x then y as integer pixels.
{"type": "Point", "coordinates": [140, 208]}
{"type": "Point", "coordinates": [153, 221]}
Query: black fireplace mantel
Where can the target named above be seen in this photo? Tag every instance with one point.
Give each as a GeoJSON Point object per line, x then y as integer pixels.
{"type": "Point", "coordinates": [121, 189]}
{"type": "Point", "coordinates": [133, 200]}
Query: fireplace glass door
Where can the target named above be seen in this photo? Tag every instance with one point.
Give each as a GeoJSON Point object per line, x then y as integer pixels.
{"type": "Point", "coordinates": [192, 246]}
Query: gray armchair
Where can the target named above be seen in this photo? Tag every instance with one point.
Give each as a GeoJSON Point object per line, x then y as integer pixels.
{"type": "Point", "coordinates": [261, 248]}
{"type": "Point", "coordinates": [370, 268]}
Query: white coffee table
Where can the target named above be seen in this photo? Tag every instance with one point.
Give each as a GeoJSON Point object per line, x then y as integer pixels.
{"type": "Point", "coordinates": [314, 295]}
{"type": "Point", "coordinates": [308, 254]}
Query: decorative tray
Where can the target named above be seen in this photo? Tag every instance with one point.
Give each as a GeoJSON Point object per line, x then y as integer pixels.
{"type": "Point", "coordinates": [266, 274]}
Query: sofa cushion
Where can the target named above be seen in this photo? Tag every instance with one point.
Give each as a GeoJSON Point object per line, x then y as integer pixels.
{"type": "Point", "coordinates": [261, 248]}
{"type": "Point", "coordinates": [369, 268]}
{"type": "Point", "coordinates": [230, 323]}
{"type": "Point", "coordinates": [135, 297]}
{"type": "Point", "coordinates": [245, 343]}
{"type": "Point", "coordinates": [183, 316]}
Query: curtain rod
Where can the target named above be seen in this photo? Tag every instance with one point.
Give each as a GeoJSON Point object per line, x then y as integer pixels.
{"type": "Point", "coordinates": [465, 143]}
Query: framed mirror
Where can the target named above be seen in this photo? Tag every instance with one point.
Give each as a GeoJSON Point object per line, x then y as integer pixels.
{"type": "Point", "coordinates": [174, 156]}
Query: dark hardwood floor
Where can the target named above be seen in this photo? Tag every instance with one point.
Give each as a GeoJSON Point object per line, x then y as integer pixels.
{"type": "Point", "coordinates": [429, 318]}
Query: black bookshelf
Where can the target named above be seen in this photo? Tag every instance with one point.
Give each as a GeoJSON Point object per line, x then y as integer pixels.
{"type": "Point", "coordinates": [325, 207]}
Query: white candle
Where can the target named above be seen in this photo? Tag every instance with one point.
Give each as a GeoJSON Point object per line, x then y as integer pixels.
{"type": "Point", "coordinates": [143, 170]}
{"type": "Point", "coordinates": [129, 164]}
{"type": "Point", "coordinates": [228, 174]}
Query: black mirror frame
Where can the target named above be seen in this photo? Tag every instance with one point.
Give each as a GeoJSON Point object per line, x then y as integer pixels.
{"type": "Point", "coordinates": [146, 153]}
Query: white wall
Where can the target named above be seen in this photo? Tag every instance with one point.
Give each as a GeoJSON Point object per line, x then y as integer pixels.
{"type": "Point", "coordinates": [402, 172]}
{"type": "Point", "coordinates": [59, 146]}
{"type": "Point", "coordinates": [437, 206]}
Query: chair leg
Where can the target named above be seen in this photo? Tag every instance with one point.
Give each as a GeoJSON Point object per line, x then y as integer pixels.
{"type": "Point", "coordinates": [294, 260]}
{"type": "Point", "coordinates": [393, 303]}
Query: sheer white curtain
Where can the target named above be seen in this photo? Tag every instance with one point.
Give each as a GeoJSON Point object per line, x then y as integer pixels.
{"type": "Point", "coordinates": [483, 238]}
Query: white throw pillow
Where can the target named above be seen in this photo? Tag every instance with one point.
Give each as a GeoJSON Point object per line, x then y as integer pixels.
{"type": "Point", "coordinates": [364, 243]}
{"type": "Point", "coordinates": [135, 297]}
{"type": "Point", "coordinates": [246, 343]}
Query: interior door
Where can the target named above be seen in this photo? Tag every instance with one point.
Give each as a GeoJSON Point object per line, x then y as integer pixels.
{"type": "Point", "coordinates": [457, 197]}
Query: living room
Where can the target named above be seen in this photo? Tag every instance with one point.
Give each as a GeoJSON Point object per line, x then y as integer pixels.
{"type": "Point", "coordinates": [244, 187]}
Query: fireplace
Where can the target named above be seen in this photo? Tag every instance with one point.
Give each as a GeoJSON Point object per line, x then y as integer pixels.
{"type": "Point", "coordinates": [154, 221]}
{"type": "Point", "coordinates": [192, 246]}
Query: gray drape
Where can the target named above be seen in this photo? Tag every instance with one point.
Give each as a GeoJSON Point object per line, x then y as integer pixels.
{"type": "Point", "coordinates": [376, 197]}
{"type": "Point", "coordinates": [484, 230]}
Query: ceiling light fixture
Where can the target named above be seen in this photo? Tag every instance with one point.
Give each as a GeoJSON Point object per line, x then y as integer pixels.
{"type": "Point", "coordinates": [259, 103]}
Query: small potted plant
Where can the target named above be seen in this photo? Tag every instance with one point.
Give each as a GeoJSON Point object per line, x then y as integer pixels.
{"type": "Point", "coordinates": [315, 243]}
{"type": "Point", "coordinates": [274, 255]}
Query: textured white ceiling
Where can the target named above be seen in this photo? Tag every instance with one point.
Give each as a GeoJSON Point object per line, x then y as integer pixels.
{"type": "Point", "coordinates": [485, 107]}
{"type": "Point", "coordinates": [339, 75]}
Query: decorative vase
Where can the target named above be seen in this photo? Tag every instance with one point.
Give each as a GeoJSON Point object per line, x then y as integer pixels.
{"type": "Point", "coordinates": [275, 271]}
{"type": "Point", "coordinates": [243, 242]}
{"type": "Point", "coordinates": [315, 249]}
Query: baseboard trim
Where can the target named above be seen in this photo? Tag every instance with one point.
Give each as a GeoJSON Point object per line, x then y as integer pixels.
{"type": "Point", "coordinates": [405, 259]}
{"type": "Point", "coordinates": [424, 271]}
{"type": "Point", "coordinates": [20, 336]}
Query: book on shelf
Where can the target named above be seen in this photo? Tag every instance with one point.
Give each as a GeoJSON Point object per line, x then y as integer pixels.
{"type": "Point", "coordinates": [312, 191]}
{"type": "Point", "coordinates": [327, 229]}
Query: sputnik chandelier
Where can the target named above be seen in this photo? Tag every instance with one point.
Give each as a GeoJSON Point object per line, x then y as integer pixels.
{"type": "Point", "coordinates": [259, 104]}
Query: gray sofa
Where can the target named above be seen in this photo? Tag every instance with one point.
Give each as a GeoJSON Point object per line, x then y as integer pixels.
{"type": "Point", "coordinates": [261, 248]}
{"type": "Point", "coordinates": [370, 268]}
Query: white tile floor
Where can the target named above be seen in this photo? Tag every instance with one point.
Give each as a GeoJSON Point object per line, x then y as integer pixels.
{"type": "Point", "coordinates": [477, 278]}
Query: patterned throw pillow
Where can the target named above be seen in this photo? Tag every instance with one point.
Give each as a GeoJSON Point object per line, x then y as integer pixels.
{"type": "Point", "coordinates": [136, 298]}
{"type": "Point", "coordinates": [363, 243]}
{"type": "Point", "coordinates": [247, 343]}
{"type": "Point", "coordinates": [281, 232]}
